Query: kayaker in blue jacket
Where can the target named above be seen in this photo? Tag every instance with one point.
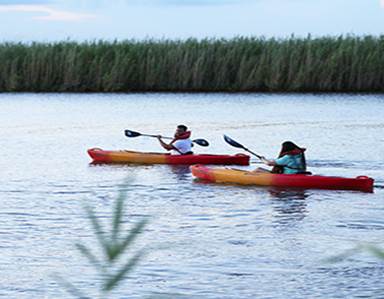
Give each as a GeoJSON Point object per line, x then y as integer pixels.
{"type": "Point", "coordinates": [181, 143]}
{"type": "Point", "coordinates": [291, 160]}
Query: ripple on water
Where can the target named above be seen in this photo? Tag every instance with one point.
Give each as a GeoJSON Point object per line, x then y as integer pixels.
{"type": "Point", "coordinates": [203, 240]}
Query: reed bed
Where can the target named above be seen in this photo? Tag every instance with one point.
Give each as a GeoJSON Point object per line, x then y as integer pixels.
{"type": "Point", "coordinates": [328, 64]}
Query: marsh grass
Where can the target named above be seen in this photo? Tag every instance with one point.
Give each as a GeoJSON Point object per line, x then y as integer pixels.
{"type": "Point", "coordinates": [328, 64]}
{"type": "Point", "coordinates": [112, 266]}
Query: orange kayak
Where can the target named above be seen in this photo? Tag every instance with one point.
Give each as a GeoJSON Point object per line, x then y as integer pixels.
{"type": "Point", "coordinates": [303, 181]}
{"type": "Point", "coordinates": [101, 156]}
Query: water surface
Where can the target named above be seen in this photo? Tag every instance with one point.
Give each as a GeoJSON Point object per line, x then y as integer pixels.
{"type": "Point", "coordinates": [204, 240]}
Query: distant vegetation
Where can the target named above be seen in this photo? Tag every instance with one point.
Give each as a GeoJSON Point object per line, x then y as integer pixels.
{"type": "Point", "coordinates": [328, 64]}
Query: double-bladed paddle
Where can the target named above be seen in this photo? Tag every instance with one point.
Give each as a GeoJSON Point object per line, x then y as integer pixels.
{"type": "Point", "coordinates": [234, 143]}
{"type": "Point", "coordinates": [130, 133]}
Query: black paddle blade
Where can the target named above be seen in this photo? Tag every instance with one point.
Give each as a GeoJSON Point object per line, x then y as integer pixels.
{"type": "Point", "coordinates": [130, 133]}
{"type": "Point", "coordinates": [201, 142]}
{"type": "Point", "coordinates": [232, 142]}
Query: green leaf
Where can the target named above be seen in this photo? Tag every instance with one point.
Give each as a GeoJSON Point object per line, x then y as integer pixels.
{"type": "Point", "coordinates": [133, 234]}
{"type": "Point", "coordinates": [342, 256]}
{"type": "Point", "coordinates": [70, 288]}
{"type": "Point", "coordinates": [91, 258]}
{"type": "Point", "coordinates": [113, 281]}
{"type": "Point", "coordinates": [118, 213]}
{"type": "Point", "coordinates": [98, 230]}
{"type": "Point", "coordinates": [376, 251]}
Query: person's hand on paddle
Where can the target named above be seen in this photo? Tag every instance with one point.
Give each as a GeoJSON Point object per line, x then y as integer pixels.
{"type": "Point", "coordinates": [165, 145]}
{"type": "Point", "coordinates": [267, 162]}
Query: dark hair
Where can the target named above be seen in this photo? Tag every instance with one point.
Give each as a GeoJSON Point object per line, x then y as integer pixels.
{"type": "Point", "coordinates": [288, 146]}
{"type": "Point", "coordinates": [182, 127]}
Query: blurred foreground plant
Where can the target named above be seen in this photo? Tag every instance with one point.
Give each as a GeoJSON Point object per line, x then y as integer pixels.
{"type": "Point", "coordinates": [114, 243]}
{"type": "Point", "coordinates": [370, 248]}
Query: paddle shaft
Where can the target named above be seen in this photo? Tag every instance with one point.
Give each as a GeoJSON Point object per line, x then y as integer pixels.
{"type": "Point", "coordinates": [148, 135]}
{"type": "Point", "coordinates": [130, 133]}
{"type": "Point", "coordinates": [234, 143]}
{"type": "Point", "coordinates": [256, 155]}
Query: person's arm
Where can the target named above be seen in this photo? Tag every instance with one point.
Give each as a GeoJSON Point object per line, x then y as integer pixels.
{"type": "Point", "coordinates": [282, 161]}
{"type": "Point", "coordinates": [166, 146]}
{"type": "Point", "coordinates": [268, 162]}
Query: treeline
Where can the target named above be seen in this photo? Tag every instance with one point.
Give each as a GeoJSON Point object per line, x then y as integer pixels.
{"type": "Point", "coordinates": [329, 64]}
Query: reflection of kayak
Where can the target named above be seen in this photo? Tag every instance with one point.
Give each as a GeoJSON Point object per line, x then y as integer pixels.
{"type": "Point", "coordinates": [234, 176]}
{"type": "Point", "coordinates": [100, 156]}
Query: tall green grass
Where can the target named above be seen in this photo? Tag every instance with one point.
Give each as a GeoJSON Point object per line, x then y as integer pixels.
{"type": "Point", "coordinates": [328, 64]}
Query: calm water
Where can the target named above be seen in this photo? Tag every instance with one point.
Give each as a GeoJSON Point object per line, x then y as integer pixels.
{"type": "Point", "coordinates": [204, 240]}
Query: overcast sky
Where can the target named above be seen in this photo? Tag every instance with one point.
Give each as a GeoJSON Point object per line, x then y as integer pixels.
{"type": "Point", "coordinates": [49, 20]}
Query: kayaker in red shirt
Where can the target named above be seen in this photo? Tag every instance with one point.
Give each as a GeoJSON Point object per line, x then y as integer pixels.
{"type": "Point", "coordinates": [181, 143]}
{"type": "Point", "coordinates": [291, 160]}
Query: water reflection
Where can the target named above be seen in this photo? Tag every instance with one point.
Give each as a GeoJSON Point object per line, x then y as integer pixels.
{"type": "Point", "coordinates": [181, 172]}
{"type": "Point", "coordinates": [290, 205]}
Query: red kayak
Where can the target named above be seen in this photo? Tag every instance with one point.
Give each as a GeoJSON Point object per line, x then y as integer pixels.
{"type": "Point", "coordinates": [101, 156]}
{"type": "Point", "coordinates": [235, 176]}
